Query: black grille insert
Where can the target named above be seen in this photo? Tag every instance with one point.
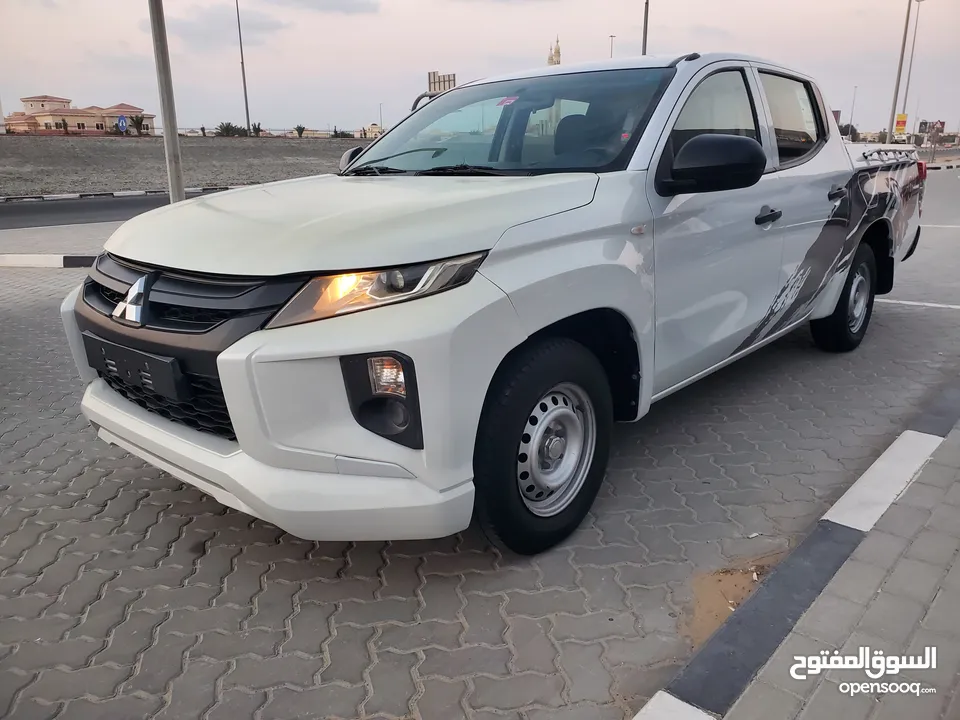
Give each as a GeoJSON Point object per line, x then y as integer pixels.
{"type": "Point", "coordinates": [206, 410]}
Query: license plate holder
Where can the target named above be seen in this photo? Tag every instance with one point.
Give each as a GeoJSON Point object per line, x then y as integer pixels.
{"type": "Point", "coordinates": [155, 373]}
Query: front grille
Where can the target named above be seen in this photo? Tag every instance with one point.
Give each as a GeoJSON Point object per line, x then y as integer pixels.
{"type": "Point", "coordinates": [188, 316]}
{"type": "Point", "coordinates": [206, 411]}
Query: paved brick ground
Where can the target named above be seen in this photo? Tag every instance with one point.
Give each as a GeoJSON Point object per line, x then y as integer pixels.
{"type": "Point", "coordinates": [124, 594]}
{"type": "Point", "coordinates": [899, 593]}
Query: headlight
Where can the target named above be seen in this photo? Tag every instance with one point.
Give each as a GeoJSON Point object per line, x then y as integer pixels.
{"type": "Point", "coordinates": [330, 295]}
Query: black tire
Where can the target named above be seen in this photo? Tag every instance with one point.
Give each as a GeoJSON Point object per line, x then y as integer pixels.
{"type": "Point", "coordinates": [526, 378]}
{"type": "Point", "coordinates": [834, 333]}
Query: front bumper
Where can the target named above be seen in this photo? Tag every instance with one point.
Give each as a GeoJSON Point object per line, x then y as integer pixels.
{"type": "Point", "coordinates": [301, 461]}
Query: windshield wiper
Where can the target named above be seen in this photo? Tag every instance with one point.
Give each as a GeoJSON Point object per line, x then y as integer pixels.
{"type": "Point", "coordinates": [377, 170]}
{"type": "Point", "coordinates": [469, 170]}
{"type": "Point", "coordinates": [437, 152]}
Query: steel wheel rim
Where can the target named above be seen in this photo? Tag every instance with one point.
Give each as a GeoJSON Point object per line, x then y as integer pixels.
{"type": "Point", "coordinates": [859, 299]}
{"type": "Point", "coordinates": [556, 449]}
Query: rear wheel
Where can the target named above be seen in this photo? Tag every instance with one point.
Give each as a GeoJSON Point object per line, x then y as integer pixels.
{"type": "Point", "coordinates": [542, 446]}
{"type": "Point", "coordinates": [844, 330]}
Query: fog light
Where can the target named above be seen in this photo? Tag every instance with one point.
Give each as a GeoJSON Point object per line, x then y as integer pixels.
{"type": "Point", "coordinates": [397, 414]}
{"type": "Point", "coordinates": [386, 377]}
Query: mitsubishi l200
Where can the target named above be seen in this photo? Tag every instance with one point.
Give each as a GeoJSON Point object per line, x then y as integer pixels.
{"type": "Point", "coordinates": [448, 328]}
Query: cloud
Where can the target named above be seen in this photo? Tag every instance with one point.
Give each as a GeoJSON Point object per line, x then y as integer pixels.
{"type": "Point", "coordinates": [213, 27]}
{"type": "Point", "coordinates": [343, 7]}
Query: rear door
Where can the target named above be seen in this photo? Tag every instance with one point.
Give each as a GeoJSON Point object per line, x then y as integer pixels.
{"type": "Point", "coordinates": [813, 167]}
{"type": "Point", "coordinates": [717, 269]}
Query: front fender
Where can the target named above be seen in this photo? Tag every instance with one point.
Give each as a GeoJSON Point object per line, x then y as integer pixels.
{"type": "Point", "coordinates": [569, 263]}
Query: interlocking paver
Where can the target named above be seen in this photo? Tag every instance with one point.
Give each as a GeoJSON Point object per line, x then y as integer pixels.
{"type": "Point", "coordinates": [157, 578]}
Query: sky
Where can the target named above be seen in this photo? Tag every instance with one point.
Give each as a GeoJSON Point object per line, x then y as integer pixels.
{"type": "Point", "coordinates": [333, 62]}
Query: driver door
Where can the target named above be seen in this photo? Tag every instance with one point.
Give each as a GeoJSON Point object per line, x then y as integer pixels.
{"type": "Point", "coordinates": [717, 266]}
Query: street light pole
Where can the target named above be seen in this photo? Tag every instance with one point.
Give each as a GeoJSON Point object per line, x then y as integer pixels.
{"type": "Point", "coordinates": [611, 46]}
{"type": "Point", "coordinates": [916, 24]}
{"type": "Point", "coordinates": [168, 110]}
{"type": "Point", "coordinates": [243, 72]}
{"type": "Point", "coordinates": [646, 21]}
{"type": "Point", "coordinates": [896, 89]}
{"type": "Point", "coordinates": [852, 106]}
{"type": "Point", "coordinates": [381, 117]}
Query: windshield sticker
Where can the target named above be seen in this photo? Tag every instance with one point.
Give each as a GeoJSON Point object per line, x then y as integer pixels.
{"type": "Point", "coordinates": [508, 101]}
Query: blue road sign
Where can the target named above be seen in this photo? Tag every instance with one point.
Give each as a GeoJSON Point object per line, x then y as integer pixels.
{"type": "Point", "coordinates": [122, 123]}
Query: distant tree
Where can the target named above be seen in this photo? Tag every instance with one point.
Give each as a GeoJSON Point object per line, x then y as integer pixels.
{"type": "Point", "coordinates": [255, 128]}
{"type": "Point", "coordinates": [63, 124]}
{"type": "Point", "coordinates": [848, 130]}
{"type": "Point", "coordinates": [137, 122]}
{"type": "Point", "coordinates": [227, 129]}
{"type": "Point", "coordinates": [203, 131]}
{"type": "Point", "coordinates": [300, 130]}
{"type": "Point", "coordinates": [341, 133]}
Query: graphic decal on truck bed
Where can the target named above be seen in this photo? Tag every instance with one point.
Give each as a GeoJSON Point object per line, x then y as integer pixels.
{"type": "Point", "coordinates": [872, 194]}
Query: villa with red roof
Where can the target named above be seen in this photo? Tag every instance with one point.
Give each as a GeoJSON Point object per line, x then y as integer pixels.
{"type": "Point", "coordinates": [46, 115]}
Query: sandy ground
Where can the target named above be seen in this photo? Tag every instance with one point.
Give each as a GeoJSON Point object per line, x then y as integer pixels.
{"type": "Point", "coordinates": [52, 164]}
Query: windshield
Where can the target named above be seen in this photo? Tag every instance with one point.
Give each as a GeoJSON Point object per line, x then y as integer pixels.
{"type": "Point", "coordinates": [581, 122]}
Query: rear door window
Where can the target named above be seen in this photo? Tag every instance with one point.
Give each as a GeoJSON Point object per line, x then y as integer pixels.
{"type": "Point", "coordinates": [796, 116]}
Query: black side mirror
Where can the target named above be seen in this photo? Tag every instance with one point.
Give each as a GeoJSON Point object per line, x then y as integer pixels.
{"type": "Point", "coordinates": [711, 163]}
{"type": "Point", "coordinates": [349, 156]}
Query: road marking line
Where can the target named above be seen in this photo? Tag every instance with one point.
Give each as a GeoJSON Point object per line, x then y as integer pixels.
{"type": "Point", "coordinates": [913, 303]}
{"type": "Point", "coordinates": [664, 706]}
{"type": "Point", "coordinates": [869, 497]}
{"type": "Point", "coordinates": [947, 227]}
{"type": "Point", "coordinates": [36, 261]}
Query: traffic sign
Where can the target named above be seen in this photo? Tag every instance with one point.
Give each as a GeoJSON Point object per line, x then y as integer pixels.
{"type": "Point", "coordinates": [122, 123]}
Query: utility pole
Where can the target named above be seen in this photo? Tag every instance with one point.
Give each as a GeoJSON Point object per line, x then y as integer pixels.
{"type": "Point", "coordinates": [168, 110]}
{"type": "Point", "coordinates": [3, 125]}
{"type": "Point", "coordinates": [243, 72]}
{"type": "Point", "coordinates": [916, 24]}
{"type": "Point", "coordinates": [381, 117]}
{"type": "Point", "coordinates": [852, 106]}
{"type": "Point", "coordinates": [646, 21]}
{"type": "Point", "coordinates": [896, 89]}
{"type": "Point", "coordinates": [611, 46]}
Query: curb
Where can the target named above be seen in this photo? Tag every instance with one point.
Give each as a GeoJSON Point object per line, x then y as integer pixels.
{"type": "Point", "coordinates": [113, 194]}
{"type": "Point", "coordinates": [721, 670]}
{"type": "Point", "coordinates": [46, 260]}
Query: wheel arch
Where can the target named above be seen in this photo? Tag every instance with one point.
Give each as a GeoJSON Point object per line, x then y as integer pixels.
{"type": "Point", "coordinates": [879, 236]}
{"type": "Point", "coordinates": [608, 334]}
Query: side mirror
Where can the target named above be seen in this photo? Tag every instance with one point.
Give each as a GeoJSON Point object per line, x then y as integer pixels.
{"type": "Point", "coordinates": [712, 163]}
{"type": "Point", "coordinates": [349, 156]}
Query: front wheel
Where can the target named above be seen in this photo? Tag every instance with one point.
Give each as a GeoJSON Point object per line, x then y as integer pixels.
{"type": "Point", "coordinates": [844, 330]}
{"type": "Point", "coordinates": [542, 446]}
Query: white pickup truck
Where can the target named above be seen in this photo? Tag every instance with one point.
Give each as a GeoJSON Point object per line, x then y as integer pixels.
{"type": "Point", "coordinates": [448, 328]}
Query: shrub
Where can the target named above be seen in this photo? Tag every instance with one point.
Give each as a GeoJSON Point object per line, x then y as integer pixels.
{"type": "Point", "coordinates": [256, 129]}
{"type": "Point", "coordinates": [299, 129]}
{"type": "Point", "coordinates": [137, 122]}
{"type": "Point", "coordinates": [228, 129]}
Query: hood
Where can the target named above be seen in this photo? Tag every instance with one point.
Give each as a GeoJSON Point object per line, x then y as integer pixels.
{"type": "Point", "coordinates": [330, 222]}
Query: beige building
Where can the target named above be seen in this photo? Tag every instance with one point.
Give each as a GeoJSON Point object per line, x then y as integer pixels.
{"type": "Point", "coordinates": [46, 115]}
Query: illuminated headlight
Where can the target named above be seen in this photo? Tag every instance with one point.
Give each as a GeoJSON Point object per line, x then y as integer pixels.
{"type": "Point", "coordinates": [330, 295]}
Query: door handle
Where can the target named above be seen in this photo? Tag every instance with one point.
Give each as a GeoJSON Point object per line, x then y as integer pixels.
{"type": "Point", "coordinates": [768, 215]}
{"type": "Point", "coordinates": [838, 192]}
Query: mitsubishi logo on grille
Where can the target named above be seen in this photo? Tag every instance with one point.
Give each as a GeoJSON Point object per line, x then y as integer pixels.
{"type": "Point", "coordinates": [131, 307]}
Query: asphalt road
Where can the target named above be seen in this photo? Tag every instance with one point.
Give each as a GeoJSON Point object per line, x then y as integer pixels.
{"type": "Point", "coordinates": [20, 214]}
{"type": "Point", "coordinates": [43, 213]}
{"type": "Point", "coordinates": [125, 594]}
